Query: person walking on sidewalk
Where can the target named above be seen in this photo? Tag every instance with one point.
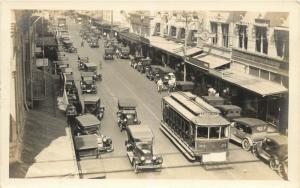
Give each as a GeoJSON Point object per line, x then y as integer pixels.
{"type": "Point", "coordinates": [159, 85]}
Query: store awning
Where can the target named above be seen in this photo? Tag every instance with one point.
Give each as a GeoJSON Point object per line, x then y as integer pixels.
{"type": "Point", "coordinates": [212, 61]}
{"type": "Point", "coordinates": [134, 37]}
{"type": "Point", "coordinates": [172, 47]}
{"type": "Point", "coordinates": [46, 41]}
{"type": "Point", "coordinates": [255, 84]}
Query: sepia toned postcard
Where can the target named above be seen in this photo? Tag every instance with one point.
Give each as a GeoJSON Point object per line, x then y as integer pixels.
{"type": "Point", "coordinates": [149, 93]}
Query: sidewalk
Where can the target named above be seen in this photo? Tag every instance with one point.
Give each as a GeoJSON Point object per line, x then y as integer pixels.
{"type": "Point", "coordinates": [47, 150]}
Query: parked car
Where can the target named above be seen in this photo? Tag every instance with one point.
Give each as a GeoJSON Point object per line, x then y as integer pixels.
{"type": "Point", "coordinates": [274, 149]}
{"type": "Point", "coordinates": [184, 86]}
{"type": "Point", "coordinates": [87, 84]}
{"type": "Point", "coordinates": [248, 131]}
{"type": "Point", "coordinates": [86, 146]}
{"type": "Point", "coordinates": [108, 53]}
{"type": "Point", "coordinates": [134, 60]}
{"type": "Point", "coordinates": [92, 104]}
{"type": "Point", "coordinates": [139, 145]}
{"type": "Point", "coordinates": [127, 114]}
{"type": "Point", "coordinates": [124, 52]}
{"type": "Point", "coordinates": [94, 43]}
{"type": "Point", "coordinates": [230, 111]}
{"type": "Point", "coordinates": [142, 64]}
{"type": "Point", "coordinates": [214, 100]}
{"type": "Point", "coordinates": [81, 62]}
{"type": "Point", "coordinates": [152, 73]}
{"type": "Point", "coordinates": [88, 124]}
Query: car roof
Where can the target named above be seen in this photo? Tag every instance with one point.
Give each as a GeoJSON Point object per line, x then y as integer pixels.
{"type": "Point", "coordinates": [87, 120]}
{"type": "Point", "coordinates": [87, 74]}
{"type": "Point", "coordinates": [127, 102]}
{"type": "Point", "coordinates": [88, 78]}
{"type": "Point", "coordinates": [141, 132]}
{"type": "Point", "coordinates": [128, 111]}
{"type": "Point", "coordinates": [69, 77]}
{"type": "Point", "coordinates": [91, 98]}
{"type": "Point", "coordinates": [212, 98]}
{"type": "Point", "coordinates": [165, 69]}
{"type": "Point", "coordinates": [86, 142]}
{"type": "Point", "coordinates": [228, 107]}
{"type": "Point", "coordinates": [91, 64]}
{"type": "Point", "coordinates": [250, 121]}
{"type": "Point", "coordinates": [280, 139]}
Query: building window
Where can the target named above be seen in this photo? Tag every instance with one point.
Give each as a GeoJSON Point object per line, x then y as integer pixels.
{"type": "Point", "coordinates": [173, 31]}
{"type": "Point", "coordinates": [182, 34]}
{"type": "Point", "coordinates": [254, 71]}
{"type": "Point", "coordinates": [275, 77]}
{"type": "Point", "coordinates": [281, 38]}
{"type": "Point", "coordinates": [214, 30]}
{"type": "Point", "coordinates": [157, 28]}
{"type": "Point", "coordinates": [285, 81]}
{"type": "Point", "coordinates": [193, 36]}
{"type": "Point", "coordinates": [264, 74]}
{"type": "Point", "coordinates": [243, 36]}
{"type": "Point", "coordinates": [225, 29]}
{"type": "Point", "coordinates": [261, 39]}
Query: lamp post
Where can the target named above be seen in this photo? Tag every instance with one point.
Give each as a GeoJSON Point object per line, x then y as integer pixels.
{"type": "Point", "coordinates": [186, 16]}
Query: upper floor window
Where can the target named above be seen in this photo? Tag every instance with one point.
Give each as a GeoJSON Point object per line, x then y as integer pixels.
{"type": "Point", "coordinates": [193, 36]}
{"type": "Point", "coordinates": [225, 29]}
{"type": "Point", "coordinates": [182, 34]}
{"type": "Point", "coordinates": [261, 39]}
{"type": "Point", "coordinates": [173, 31]}
{"type": "Point", "coordinates": [243, 36]}
{"type": "Point", "coordinates": [281, 38]}
{"type": "Point", "coordinates": [214, 30]}
{"type": "Point", "coordinates": [157, 28]}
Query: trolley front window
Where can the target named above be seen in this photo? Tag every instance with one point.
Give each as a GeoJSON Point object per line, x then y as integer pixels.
{"type": "Point", "coordinates": [202, 132]}
{"type": "Point", "coordinates": [211, 132]}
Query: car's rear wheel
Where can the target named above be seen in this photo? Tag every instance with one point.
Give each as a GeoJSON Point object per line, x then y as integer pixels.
{"type": "Point", "coordinates": [246, 145]}
{"type": "Point", "coordinates": [282, 171]}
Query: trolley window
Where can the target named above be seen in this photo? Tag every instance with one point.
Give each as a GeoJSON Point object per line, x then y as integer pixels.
{"type": "Point", "coordinates": [202, 132]}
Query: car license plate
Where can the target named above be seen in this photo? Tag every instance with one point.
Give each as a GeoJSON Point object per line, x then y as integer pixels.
{"type": "Point", "coordinates": [88, 90]}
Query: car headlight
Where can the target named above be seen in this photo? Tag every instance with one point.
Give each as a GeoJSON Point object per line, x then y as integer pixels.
{"type": "Point", "coordinates": [83, 85]}
{"type": "Point", "coordinates": [142, 158]}
{"type": "Point", "coordinates": [154, 158]}
{"type": "Point", "coordinates": [135, 120]}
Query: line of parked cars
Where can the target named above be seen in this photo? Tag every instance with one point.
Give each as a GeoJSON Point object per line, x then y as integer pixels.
{"type": "Point", "coordinates": [254, 135]}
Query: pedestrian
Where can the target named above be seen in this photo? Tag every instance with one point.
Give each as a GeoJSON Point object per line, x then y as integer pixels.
{"type": "Point", "coordinates": [211, 91]}
{"type": "Point", "coordinates": [217, 94]}
{"type": "Point", "coordinates": [159, 85]}
{"type": "Point", "coordinates": [100, 64]}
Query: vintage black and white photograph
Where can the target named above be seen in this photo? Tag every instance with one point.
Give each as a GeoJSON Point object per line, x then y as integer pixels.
{"type": "Point", "coordinates": [149, 94]}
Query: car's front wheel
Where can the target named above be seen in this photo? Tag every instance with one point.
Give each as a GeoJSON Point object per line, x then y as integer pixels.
{"type": "Point", "coordinates": [246, 145]}
{"type": "Point", "coordinates": [273, 164]}
{"type": "Point", "coordinates": [282, 170]}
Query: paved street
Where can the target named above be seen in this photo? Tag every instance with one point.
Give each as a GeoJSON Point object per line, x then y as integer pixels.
{"type": "Point", "coordinates": [120, 80]}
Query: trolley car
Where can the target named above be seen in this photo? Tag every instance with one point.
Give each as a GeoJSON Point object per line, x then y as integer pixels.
{"type": "Point", "coordinates": [195, 127]}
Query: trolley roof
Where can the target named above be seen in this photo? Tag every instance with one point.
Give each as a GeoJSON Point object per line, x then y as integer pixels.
{"type": "Point", "coordinates": [140, 132]}
{"type": "Point", "coordinates": [86, 142]}
{"type": "Point", "coordinates": [87, 120]}
{"type": "Point", "coordinates": [91, 98]}
{"type": "Point", "coordinates": [195, 109]}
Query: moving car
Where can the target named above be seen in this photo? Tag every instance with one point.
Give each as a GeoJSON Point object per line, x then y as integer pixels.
{"type": "Point", "coordinates": [92, 104]}
{"type": "Point", "coordinates": [274, 149]}
{"type": "Point", "coordinates": [86, 146]}
{"type": "Point", "coordinates": [92, 67]}
{"type": "Point", "coordinates": [152, 73]}
{"type": "Point", "coordinates": [87, 84]}
{"type": "Point", "coordinates": [88, 124]}
{"type": "Point", "coordinates": [248, 131]}
{"type": "Point", "coordinates": [139, 145]}
{"type": "Point", "coordinates": [94, 43]}
{"type": "Point", "coordinates": [81, 62]}
{"type": "Point", "coordinates": [124, 52]}
{"type": "Point", "coordinates": [108, 53]}
{"type": "Point", "coordinates": [127, 114]}
{"type": "Point", "coordinates": [142, 64]}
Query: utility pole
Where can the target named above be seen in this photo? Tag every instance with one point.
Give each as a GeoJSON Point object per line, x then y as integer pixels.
{"type": "Point", "coordinates": [111, 23]}
{"type": "Point", "coordinates": [185, 46]}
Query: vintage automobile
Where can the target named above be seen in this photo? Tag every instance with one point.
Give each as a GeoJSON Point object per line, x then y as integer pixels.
{"type": "Point", "coordinates": [88, 124]}
{"type": "Point", "coordinates": [92, 67]}
{"type": "Point", "coordinates": [139, 146]}
{"type": "Point", "coordinates": [124, 52]}
{"type": "Point", "coordinates": [82, 61]}
{"type": "Point", "coordinates": [68, 46]}
{"type": "Point", "coordinates": [127, 114]}
{"type": "Point", "coordinates": [152, 73]}
{"type": "Point", "coordinates": [108, 53]}
{"type": "Point", "coordinates": [229, 111]}
{"type": "Point", "coordinates": [134, 60]}
{"type": "Point", "coordinates": [143, 64]}
{"type": "Point", "coordinates": [86, 146]}
{"type": "Point", "coordinates": [274, 149]}
{"type": "Point", "coordinates": [92, 105]}
{"type": "Point", "coordinates": [94, 43]}
{"type": "Point", "coordinates": [184, 86]}
{"type": "Point", "coordinates": [213, 100]}
{"type": "Point", "coordinates": [87, 84]}
{"type": "Point", "coordinates": [61, 67]}
{"type": "Point", "coordinates": [248, 131]}
{"type": "Point", "coordinates": [69, 83]}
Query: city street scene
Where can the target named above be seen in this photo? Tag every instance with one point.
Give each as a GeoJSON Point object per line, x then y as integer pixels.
{"type": "Point", "coordinates": [149, 95]}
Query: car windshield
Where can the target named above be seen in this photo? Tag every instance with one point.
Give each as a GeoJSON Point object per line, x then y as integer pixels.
{"type": "Point", "coordinates": [130, 116]}
{"type": "Point", "coordinates": [146, 148]}
{"type": "Point", "coordinates": [90, 107]}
